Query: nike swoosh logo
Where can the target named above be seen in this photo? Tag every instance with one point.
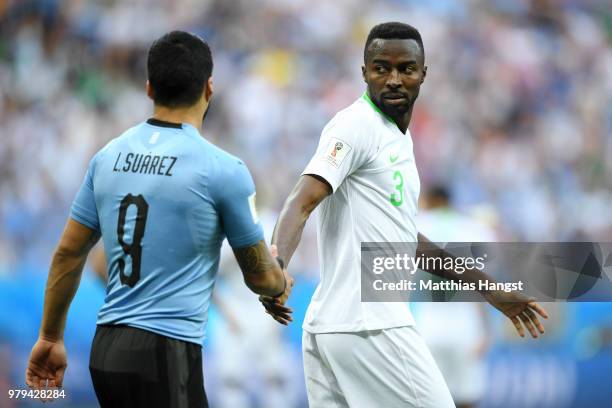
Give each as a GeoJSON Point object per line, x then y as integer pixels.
{"type": "Point", "coordinates": [393, 159]}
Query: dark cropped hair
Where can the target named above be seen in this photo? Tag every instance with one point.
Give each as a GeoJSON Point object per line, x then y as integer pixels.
{"type": "Point", "coordinates": [393, 31]}
{"type": "Point", "coordinates": [179, 65]}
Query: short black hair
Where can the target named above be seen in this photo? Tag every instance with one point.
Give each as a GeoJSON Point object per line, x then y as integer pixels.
{"type": "Point", "coordinates": [393, 31]}
{"type": "Point", "coordinates": [179, 64]}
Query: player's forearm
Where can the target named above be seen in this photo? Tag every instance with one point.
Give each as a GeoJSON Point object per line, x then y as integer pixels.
{"type": "Point", "coordinates": [289, 227]}
{"type": "Point", "coordinates": [430, 249]}
{"type": "Point", "coordinates": [262, 274]}
{"type": "Point", "coordinates": [266, 278]}
{"type": "Point", "coordinates": [64, 277]}
{"type": "Point", "coordinates": [307, 194]}
{"type": "Point", "coordinates": [267, 286]}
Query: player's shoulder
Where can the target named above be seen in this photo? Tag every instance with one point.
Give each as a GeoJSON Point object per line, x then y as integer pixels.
{"type": "Point", "coordinates": [225, 164]}
{"type": "Point", "coordinates": [226, 171]}
{"type": "Point", "coordinates": [358, 117]}
{"type": "Point", "coordinates": [115, 143]}
{"type": "Point", "coordinates": [221, 156]}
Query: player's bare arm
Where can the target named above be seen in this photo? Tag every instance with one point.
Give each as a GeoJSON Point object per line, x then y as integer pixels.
{"type": "Point", "coordinates": [262, 273]}
{"type": "Point", "coordinates": [307, 194]}
{"type": "Point", "coordinates": [522, 311]}
{"type": "Point", "coordinates": [48, 360]}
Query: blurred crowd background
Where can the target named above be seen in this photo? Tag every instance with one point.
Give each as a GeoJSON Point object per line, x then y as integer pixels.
{"type": "Point", "coordinates": [514, 121]}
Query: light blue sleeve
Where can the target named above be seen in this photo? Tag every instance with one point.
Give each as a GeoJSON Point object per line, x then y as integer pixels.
{"type": "Point", "coordinates": [233, 191]}
{"type": "Point", "coordinates": [83, 208]}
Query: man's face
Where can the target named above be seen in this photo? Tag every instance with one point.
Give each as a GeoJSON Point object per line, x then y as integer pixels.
{"type": "Point", "coordinates": [394, 71]}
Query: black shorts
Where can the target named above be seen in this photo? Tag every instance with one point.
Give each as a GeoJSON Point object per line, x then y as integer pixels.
{"type": "Point", "coordinates": [136, 368]}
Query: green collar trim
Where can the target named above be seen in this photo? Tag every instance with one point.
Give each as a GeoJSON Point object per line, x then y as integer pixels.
{"type": "Point", "coordinates": [376, 108]}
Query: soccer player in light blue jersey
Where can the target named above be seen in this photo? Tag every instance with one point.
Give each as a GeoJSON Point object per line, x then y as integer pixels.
{"type": "Point", "coordinates": [162, 198]}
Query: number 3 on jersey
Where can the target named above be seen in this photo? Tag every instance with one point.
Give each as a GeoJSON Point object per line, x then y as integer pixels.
{"type": "Point", "coordinates": [134, 250]}
{"type": "Point", "coordinates": [398, 198]}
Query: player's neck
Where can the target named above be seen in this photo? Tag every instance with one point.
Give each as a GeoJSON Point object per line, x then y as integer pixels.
{"type": "Point", "coordinates": [190, 115]}
{"type": "Point", "coordinates": [403, 121]}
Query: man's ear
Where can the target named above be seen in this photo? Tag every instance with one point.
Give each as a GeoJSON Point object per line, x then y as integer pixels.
{"type": "Point", "coordinates": [208, 92]}
{"type": "Point", "coordinates": [424, 73]}
{"type": "Point", "coordinates": [363, 72]}
{"type": "Point", "coordinates": [149, 89]}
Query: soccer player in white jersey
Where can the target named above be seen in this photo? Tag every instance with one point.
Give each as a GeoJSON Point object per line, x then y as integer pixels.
{"type": "Point", "coordinates": [361, 354]}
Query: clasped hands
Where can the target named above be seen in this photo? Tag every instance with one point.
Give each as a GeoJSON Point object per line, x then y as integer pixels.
{"type": "Point", "coordinates": [275, 306]}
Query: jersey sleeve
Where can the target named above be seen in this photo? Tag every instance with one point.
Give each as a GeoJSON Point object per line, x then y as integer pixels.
{"type": "Point", "coordinates": [343, 148]}
{"type": "Point", "coordinates": [234, 195]}
{"type": "Point", "coordinates": [83, 208]}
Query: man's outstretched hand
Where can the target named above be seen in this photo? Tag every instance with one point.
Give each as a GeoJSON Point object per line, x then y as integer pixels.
{"type": "Point", "coordinates": [275, 307]}
{"type": "Point", "coordinates": [46, 365]}
{"type": "Point", "coordinates": [521, 310]}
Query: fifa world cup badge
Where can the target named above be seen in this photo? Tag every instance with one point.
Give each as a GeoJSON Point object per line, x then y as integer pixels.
{"type": "Point", "coordinates": [336, 151]}
{"type": "Point", "coordinates": [336, 148]}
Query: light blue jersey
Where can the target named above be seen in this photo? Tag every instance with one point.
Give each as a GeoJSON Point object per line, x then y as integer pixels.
{"type": "Point", "coordinates": [164, 198]}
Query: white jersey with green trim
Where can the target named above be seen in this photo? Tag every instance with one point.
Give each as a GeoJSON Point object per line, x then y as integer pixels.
{"type": "Point", "coordinates": [370, 165]}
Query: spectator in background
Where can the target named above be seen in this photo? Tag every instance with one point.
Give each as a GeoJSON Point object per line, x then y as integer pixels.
{"type": "Point", "coordinates": [458, 333]}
